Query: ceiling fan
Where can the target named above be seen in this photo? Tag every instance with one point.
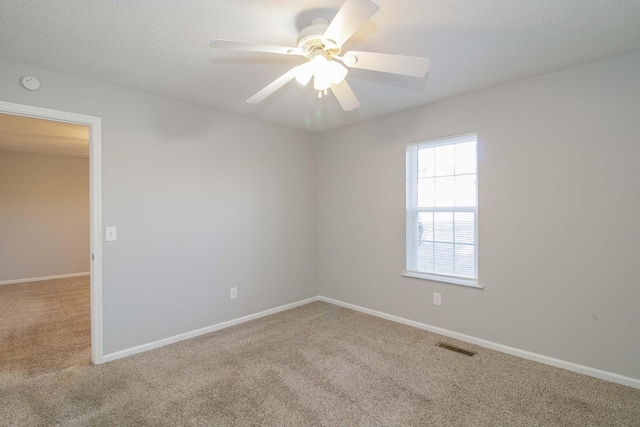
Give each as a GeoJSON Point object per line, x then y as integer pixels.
{"type": "Point", "coordinates": [321, 43]}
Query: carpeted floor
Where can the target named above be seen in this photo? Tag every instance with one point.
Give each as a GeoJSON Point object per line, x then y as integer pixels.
{"type": "Point", "coordinates": [45, 325]}
{"type": "Point", "coordinates": [315, 365]}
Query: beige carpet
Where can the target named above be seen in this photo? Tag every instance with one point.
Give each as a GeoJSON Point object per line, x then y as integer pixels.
{"type": "Point", "coordinates": [45, 325]}
{"type": "Point", "coordinates": [318, 364]}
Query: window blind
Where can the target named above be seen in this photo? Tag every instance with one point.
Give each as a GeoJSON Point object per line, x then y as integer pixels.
{"type": "Point", "coordinates": [442, 209]}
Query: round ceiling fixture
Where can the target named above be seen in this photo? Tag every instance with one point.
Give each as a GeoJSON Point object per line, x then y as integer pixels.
{"type": "Point", "coordinates": [31, 83]}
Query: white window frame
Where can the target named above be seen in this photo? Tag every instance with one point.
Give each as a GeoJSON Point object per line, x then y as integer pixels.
{"type": "Point", "coordinates": [412, 210]}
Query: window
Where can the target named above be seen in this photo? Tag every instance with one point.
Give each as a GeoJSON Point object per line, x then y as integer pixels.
{"type": "Point", "coordinates": [442, 210]}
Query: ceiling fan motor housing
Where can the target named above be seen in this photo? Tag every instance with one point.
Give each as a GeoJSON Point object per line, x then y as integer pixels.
{"type": "Point", "coordinates": [310, 38]}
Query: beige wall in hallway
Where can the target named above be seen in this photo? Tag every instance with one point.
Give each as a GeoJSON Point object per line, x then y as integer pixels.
{"type": "Point", "coordinates": [44, 215]}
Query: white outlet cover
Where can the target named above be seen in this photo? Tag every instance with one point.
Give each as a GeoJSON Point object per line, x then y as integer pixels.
{"type": "Point", "coordinates": [111, 234]}
{"type": "Point", "coordinates": [437, 298]}
{"type": "Point", "coordinates": [31, 83]}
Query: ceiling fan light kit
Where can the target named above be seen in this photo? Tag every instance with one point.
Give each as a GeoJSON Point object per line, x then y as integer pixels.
{"type": "Point", "coordinates": [321, 43]}
{"type": "Point", "coordinates": [324, 71]}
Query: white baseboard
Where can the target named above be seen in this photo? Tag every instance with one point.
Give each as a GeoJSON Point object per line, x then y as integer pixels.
{"type": "Point", "coordinates": [597, 373]}
{"type": "Point", "coordinates": [181, 337]}
{"type": "Point", "coordinates": [570, 366]}
{"type": "Point", "coordinates": [38, 279]}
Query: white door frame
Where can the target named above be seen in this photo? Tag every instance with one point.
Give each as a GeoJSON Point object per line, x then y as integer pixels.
{"type": "Point", "coordinates": [94, 124]}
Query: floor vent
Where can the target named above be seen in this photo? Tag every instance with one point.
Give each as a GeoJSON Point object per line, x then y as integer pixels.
{"type": "Point", "coordinates": [456, 349]}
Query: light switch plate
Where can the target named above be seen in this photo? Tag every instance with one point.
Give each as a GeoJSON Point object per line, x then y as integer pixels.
{"type": "Point", "coordinates": [111, 234]}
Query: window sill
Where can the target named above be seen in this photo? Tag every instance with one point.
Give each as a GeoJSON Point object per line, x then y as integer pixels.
{"type": "Point", "coordinates": [453, 280]}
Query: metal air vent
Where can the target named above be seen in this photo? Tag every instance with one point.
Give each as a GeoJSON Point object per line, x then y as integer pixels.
{"type": "Point", "coordinates": [456, 349]}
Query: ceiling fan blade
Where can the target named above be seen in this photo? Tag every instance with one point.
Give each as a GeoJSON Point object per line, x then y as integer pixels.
{"type": "Point", "coordinates": [255, 47]}
{"type": "Point", "coordinates": [349, 18]}
{"type": "Point", "coordinates": [273, 86]}
{"type": "Point", "coordinates": [413, 66]}
{"type": "Point", "coordinates": [345, 96]}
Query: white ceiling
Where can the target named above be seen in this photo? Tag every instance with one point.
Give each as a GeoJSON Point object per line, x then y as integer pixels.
{"type": "Point", "coordinates": [18, 133]}
{"type": "Point", "coordinates": [161, 46]}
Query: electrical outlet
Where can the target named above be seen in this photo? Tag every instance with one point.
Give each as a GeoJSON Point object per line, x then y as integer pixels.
{"type": "Point", "coordinates": [437, 298]}
{"type": "Point", "coordinates": [111, 234]}
{"type": "Point", "coordinates": [234, 293]}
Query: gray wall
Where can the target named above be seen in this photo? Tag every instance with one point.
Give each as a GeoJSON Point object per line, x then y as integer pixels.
{"type": "Point", "coordinates": [559, 202]}
{"type": "Point", "coordinates": [44, 215]}
{"type": "Point", "coordinates": [203, 201]}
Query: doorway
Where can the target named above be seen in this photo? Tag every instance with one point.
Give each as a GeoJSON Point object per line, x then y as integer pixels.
{"type": "Point", "coordinates": [92, 127]}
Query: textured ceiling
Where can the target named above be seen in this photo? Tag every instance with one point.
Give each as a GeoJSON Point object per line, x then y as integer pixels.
{"type": "Point", "coordinates": [18, 133]}
{"type": "Point", "coordinates": [161, 46]}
